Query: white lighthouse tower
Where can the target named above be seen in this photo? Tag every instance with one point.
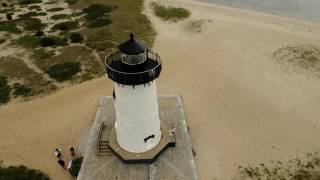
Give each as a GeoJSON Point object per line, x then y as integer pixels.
{"type": "Point", "coordinates": [134, 68]}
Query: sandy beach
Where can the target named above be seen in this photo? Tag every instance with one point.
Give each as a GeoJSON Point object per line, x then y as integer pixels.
{"type": "Point", "coordinates": [241, 105]}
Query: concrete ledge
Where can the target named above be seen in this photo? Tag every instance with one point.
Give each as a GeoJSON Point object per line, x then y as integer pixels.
{"type": "Point", "coordinates": [167, 140]}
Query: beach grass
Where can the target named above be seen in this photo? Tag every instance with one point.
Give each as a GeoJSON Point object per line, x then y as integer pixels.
{"type": "Point", "coordinates": [28, 41]}
{"type": "Point", "coordinates": [168, 13]}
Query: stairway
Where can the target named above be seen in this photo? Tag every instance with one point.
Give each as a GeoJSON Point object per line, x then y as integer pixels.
{"type": "Point", "coordinates": [103, 149]}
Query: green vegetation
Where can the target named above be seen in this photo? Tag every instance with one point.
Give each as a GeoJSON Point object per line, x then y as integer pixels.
{"type": "Point", "coordinates": [2, 41]}
{"type": "Point", "coordinates": [97, 15]}
{"type": "Point", "coordinates": [4, 93]}
{"type": "Point", "coordinates": [9, 26]}
{"type": "Point", "coordinates": [65, 71]}
{"type": "Point", "coordinates": [76, 166]}
{"type": "Point", "coordinates": [25, 2]}
{"type": "Point", "coordinates": [96, 23]}
{"type": "Point", "coordinates": [170, 13]}
{"type": "Point", "coordinates": [21, 173]}
{"type": "Point", "coordinates": [55, 9]}
{"type": "Point", "coordinates": [35, 7]}
{"type": "Point", "coordinates": [306, 58]}
{"type": "Point", "coordinates": [21, 90]}
{"type": "Point", "coordinates": [31, 14]}
{"type": "Point", "coordinates": [126, 17]}
{"type": "Point", "coordinates": [307, 168]}
{"type": "Point", "coordinates": [32, 24]}
{"type": "Point", "coordinates": [71, 2]}
{"type": "Point", "coordinates": [42, 54]}
{"type": "Point", "coordinates": [66, 26]}
{"type": "Point", "coordinates": [28, 41]}
{"type": "Point", "coordinates": [60, 16]}
{"type": "Point", "coordinates": [75, 37]}
{"type": "Point", "coordinates": [53, 41]}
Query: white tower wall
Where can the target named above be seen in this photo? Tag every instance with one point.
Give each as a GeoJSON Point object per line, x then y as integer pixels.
{"type": "Point", "coordinates": [137, 117]}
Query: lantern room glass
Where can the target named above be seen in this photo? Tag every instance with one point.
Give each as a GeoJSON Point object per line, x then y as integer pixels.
{"type": "Point", "coordinates": [134, 59]}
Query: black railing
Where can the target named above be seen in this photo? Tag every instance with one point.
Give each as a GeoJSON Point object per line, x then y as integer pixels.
{"type": "Point", "coordinates": [150, 72]}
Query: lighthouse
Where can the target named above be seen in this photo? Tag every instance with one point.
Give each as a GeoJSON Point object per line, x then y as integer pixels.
{"type": "Point", "coordinates": [134, 68]}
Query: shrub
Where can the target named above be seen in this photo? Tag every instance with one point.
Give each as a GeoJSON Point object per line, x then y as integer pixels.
{"type": "Point", "coordinates": [35, 7]}
{"type": "Point", "coordinates": [96, 23]}
{"type": "Point", "coordinates": [53, 41]}
{"type": "Point", "coordinates": [28, 15]}
{"type": "Point", "coordinates": [24, 2]}
{"type": "Point", "coordinates": [9, 27]}
{"type": "Point", "coordinates": [75, 37]}
{"type": "Point", "coordinates": [76, 166]}
{"type": "Point", "coordinates": [2, 41]}
{"type": "Point", "coordinates": [21, 90]}
{"type": "Point", "coordinates": [29, 41]}
{"type": "Point", "coordinates": [9, 17]}
{"type": "Point", "coordinates": [98, 9]}
{"type": "Point", "coordinates": [4, 91]}
{"type": "Point", "coordinates": [32, 24]}
{"type": "Point", "coordinates": [55, 9]}
{"type": "Point", "coordinates": [42, 13]}
{"type": "Point", "coordinates": [96, 15]}
{"type": "Point", "coordinates": [21, 173]}
{"type": "Point", "coordinates": [170, 13]}
{"type": "Point", "coordinates": [71, 2]}
{"type": "Point", "coordinates": [39, 33]}
{"type": "Point", "coordinates": [4, 4]}
{"type": "Point", "coordinates": [66, 26]}
{"type": "Point", "coordinates": [65, 71]}
{"type": "Point", "coordinates": [60, 16]}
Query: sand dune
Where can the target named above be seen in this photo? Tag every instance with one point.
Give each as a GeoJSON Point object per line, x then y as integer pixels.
{"type": "Point", "coordinates": [242, 107]}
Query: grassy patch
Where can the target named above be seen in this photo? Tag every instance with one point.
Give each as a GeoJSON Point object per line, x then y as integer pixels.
{"type": "Point", "coordinates": [2, 41]}
{"type": "Point", "coordinates": [21, 173]}
{"type": "Point", "coordinates": [4, 92]}
{"type": "Point", "coordinates": [21, 90]}
{"type": "Point", "coordinates": [65, 71]}
{"type": "Point", "coordinates": [306, 58]}
{"type": "Point", "coordinates": [170, 13]}
{"type": "Point", "coordinates": [127, 16]}
{"type": "Point", "coordinates": [55, 9]}
{"type": "Point", "coordinates": [32, 24]}
{"type": "Point", "coordinates": [53, 41]}
{"type": "Point", "coordinates": [304, 168]}
{"type": "Point", "coordinates": [66, 26]}
{"type": "Point", "coordinates": [60, 16]}
{"type": "Point", "coordinates": [75, 37]}
{"type": "Point", "coordinates": [71, 2]}
{"type": "Point", "coordinates": [36, 7]}
{"type": "Point", "coordinates": [97, 15]}
{"type": "Point", "coordinates": [9, 26]}
{"type": "Point", "coordinates": [31, 14]}
{"type": "Point", "coordinates": [42, 54]}
{"type": "Point", "coordinates": [25, 2]}
{"type": "Point", "coordinates": [16, 69]}
{"type": "Point", "coordinates": [28, 41]}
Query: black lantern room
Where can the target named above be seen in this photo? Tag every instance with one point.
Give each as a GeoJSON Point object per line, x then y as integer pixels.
{"type": "Point", "coordinates": [133, 63]}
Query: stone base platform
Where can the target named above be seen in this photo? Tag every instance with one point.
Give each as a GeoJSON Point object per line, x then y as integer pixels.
{"type": "Point", "coordinates": [167, 140]}
{"type": "Point", "coordinates": [173, 163]}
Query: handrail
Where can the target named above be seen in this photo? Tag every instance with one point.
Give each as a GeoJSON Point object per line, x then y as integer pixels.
{"type": "Point", "coordinates": [117, 52]}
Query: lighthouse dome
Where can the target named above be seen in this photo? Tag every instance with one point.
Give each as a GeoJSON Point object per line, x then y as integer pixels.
{"type": "Point", "coordinates": [132, 46]}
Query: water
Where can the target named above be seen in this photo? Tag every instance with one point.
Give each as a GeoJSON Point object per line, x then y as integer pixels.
{"type": "Point", "coordinates": [300, 9]}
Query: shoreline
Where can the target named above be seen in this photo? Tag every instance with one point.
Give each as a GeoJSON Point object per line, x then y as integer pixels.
{"type": "Point", "coordinates": [304, 11]}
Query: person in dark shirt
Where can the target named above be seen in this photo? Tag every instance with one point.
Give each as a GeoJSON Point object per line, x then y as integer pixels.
{"type": "Point", "coordinates": [61, 163]}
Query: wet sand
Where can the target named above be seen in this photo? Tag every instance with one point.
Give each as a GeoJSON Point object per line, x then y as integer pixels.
{"type": "Point", "coordinates": [241, 106]}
